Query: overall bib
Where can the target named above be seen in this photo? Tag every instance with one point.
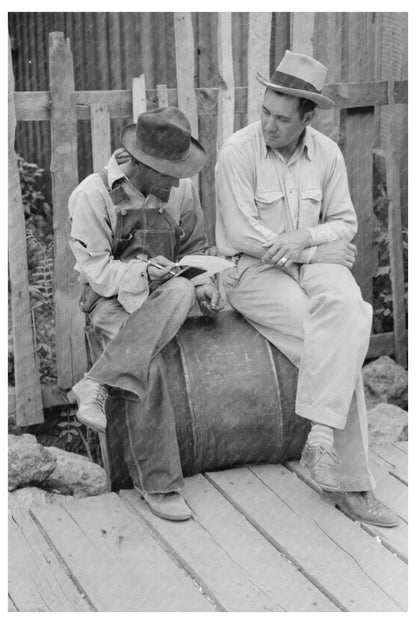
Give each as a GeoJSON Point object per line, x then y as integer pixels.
{"type": "Point", "coordinates": [126, 347]}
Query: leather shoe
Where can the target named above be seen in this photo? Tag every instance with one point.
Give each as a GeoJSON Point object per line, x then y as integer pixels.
{"type": "Point", "coordinates": [321, 461]}
{"type": "Point", "coordinates": [364, 507]}
{"type": "Point", "coordinates": [90, 397]}
{"type": "Point", "coordinates": [171, 506]}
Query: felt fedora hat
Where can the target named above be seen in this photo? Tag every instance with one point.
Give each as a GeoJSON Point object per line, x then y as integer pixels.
{"type": "Point", "coordinates": [299, 75]}
{"type": "Point", "coordinates": [162, 139]}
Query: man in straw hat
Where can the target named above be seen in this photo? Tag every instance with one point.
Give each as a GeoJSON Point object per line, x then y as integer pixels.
{"type": "Point", "coordinates": [130, 223]}
{"type": "Point", "coordinates": [284, 214]}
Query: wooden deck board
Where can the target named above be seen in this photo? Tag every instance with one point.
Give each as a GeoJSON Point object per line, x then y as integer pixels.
{"type": "Point", "coordinates": [262, 538]}
{"type": "Point", "coordinates": [37, 581]}
{"type": "Point", "coordinates": [115, 559]}
{"type": "Point", "coordinates": [229, 557]}
{"type": "Point", "coordinates": [387, 572]}
{"type": "Point", "coordinates": [397, 461]}
{"type": "Point", "coordinates": [394, 539]}
{"type": "Point", "coordinates": [388, 489]}
{"type": "Point", "coordinates": [339, 575]}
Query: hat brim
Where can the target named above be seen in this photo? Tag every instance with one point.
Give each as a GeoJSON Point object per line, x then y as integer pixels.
{"type": "Point", "coordinates": [185, 168]}
{"type": "Point", "coordinates": [320, 100]}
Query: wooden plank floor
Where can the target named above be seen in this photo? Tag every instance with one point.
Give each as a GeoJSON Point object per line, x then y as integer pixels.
{"type": "Point", "coordinates": [261, 539]}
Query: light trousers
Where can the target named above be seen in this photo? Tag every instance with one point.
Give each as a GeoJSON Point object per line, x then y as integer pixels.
{"type": "Point", "coordinates": [315, 315]}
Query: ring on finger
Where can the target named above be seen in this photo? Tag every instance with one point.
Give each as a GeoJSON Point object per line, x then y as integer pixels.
{"type": "Point", "coordinates": [282, 261]}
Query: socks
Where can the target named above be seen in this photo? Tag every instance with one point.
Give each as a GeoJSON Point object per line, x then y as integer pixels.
{"type": "Point", "coordinates": [321, 434]}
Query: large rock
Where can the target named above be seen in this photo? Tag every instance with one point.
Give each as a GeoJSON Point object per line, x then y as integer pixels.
{"type": "Point", "coordinates": [75, 474]}
{"type": "Point", "coordinates": [385, 382]}
{"type": "Point", "coordinates": [385, 423]}
{"type": "Point", "coordinates": [29, 497]}
{"type": "Point", "coordinates": [29, 462]}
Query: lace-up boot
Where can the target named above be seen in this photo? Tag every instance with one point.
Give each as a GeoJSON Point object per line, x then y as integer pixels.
{"type": "Point", "coordinates": [91, 397]}
{"type": "Point", "coordinates": [322, 461]}
{"type": "Point", "coordinates": [364, 507]}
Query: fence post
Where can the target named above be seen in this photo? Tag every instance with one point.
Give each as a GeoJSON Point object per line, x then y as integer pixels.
{"type": "Point", "coordinates": [185, 72]}
{"type": "Point", "coordinates": [29, 410]}
{"type": "Point", "coordinates": [359, 133]}
{"type": "Point", "coordinates": [69, 321]}
{"type": "Point", "coordinates": [226, 96]}
{"type": "Point", "coordinates": [258, 60]}
{"type": "Point", "coordinates": [395, 232]}
{"type": "Point", "coordinates": [100, 135]}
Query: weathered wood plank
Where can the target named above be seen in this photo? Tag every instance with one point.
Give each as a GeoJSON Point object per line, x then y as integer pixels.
{"type": "Point", "coordinates": [383, 568]}
{"type": "Point", "coordinates": [403, 446]}
{"type": "Point", "coordinates": [100, 135]}
{"type": "Point", "coordinates": [138, 97]}
{"type": "Point", "coordinates": [29, 408]}
{"type": "Point", "coordinates": [258, 60]}
{"type": "Point", "coordinates": [254, 577]}
{"type": "Point", "coordinates": [388, 489]}
{"type": "Point", "coordinates": [302, 27]}
{"type": "Point", "coordinates": [35, 105]}
{"type": "Point", "coordinates": [358, 151]}
{"type": "Point", "coordinates": [343, 578]}
{"type": "Point", "coordinates": [327, 36]}
{"type": "Point", "coordinates": [37, 579]}
{"type": "Point", "coordinates": [226, 98]}
{"type": "Point", "coordinates": [114, 558]}
{"type": "Point", "coordinates": [69, 321]}
{"type": "Point", "coordinates": [162, 96]}
{"type": "Point", "coordinates": [395, 234]}
{"type": "Point", "coordinates": [394, 539]}
{"type": "Point", "coordinates": [396, 459]}
{"type": "Point", "coordinates": [185, 68]}
{"type": "Point", "coordinates": [359, 134]}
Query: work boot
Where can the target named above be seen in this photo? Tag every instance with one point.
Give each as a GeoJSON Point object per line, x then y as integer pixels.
{"type": "Point", "coordinates": [364, 507]}
{"type": "Point", "coordinates": [322, 461]}
{"type": "Point", "coordinates": [171, 506]}
{"type": "Point", "coordinates": [91, 397]}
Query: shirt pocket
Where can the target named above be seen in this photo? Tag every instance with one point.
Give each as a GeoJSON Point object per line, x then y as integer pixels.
{"type": "Point", "coordinates": [310, 207]}
{"type": "Point", "coordinates": [265, 200]}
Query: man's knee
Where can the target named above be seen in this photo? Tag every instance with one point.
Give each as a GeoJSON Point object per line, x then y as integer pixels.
{"type": "Point", "coordinates": [348, 306]}
{"type": "Point", "coordinates": [181, 289]}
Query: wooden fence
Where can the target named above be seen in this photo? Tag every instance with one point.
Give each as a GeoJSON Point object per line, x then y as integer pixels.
{"type": "Point", "coordinates": [62, 106]}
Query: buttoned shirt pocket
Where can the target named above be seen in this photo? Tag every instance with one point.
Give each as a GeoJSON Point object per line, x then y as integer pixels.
{"type": "Point", "coordinates": [265, 200]}
{"type": "Point", "coordinates": [310, 202]}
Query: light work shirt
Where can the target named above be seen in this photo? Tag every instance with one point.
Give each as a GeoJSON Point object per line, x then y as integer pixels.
{"type": "Point", "coordinates": [259, 195]}
{"type": "Point", "coordinates": [93, 219]}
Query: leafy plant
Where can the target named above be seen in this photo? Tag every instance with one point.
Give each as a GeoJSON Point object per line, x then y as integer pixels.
{"type": "Point", "coordinates": [382, 286]}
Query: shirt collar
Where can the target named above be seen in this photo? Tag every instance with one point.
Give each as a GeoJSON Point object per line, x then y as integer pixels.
{"type": "Point", "coordinates": [306, 145]}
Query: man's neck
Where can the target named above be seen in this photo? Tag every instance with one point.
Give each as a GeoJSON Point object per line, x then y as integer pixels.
{"type": "Point", "coordinates": [132, 173]}
{"type": "Point", "coordinates": [288, 150]}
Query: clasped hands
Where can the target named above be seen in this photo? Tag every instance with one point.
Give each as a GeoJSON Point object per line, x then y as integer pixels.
{"type": "Point", "coordinates": [207, 295]}
{"type": "Point", "coordinates": [286, 250]}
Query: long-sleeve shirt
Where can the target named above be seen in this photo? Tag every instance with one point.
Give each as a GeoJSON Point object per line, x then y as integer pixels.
{"type": "Point", "coordinates": [93, 218]}
{"type": "Point", "coordinates": [259, 195]}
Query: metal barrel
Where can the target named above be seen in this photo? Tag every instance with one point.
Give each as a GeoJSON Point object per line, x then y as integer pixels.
{"type": "Point", "coordinates": [233, 394]}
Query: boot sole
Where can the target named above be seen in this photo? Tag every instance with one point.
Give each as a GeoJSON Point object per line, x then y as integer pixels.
{"type": "Point", "coordinates": [162, 515]}
{"type": "Point", "coordinates": [351, 516]}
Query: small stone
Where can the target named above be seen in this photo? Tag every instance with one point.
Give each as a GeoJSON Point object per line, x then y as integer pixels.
{"type": "Point", "coordinates": [385, 382]}
{"type": "Point", "coordinates": [76, 475]}
{"type": "Point", "coordinates": [385, 423]}
{"type": "Point", "coordinates": [27, 498]}
{"type": "Point", "coordinates": [29, 462]}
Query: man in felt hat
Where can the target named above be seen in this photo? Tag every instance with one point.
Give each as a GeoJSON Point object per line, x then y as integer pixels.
{"type": "Point", "coordinates": [284, 214]}
{"type": "Point", "coordinates": [131, 223]}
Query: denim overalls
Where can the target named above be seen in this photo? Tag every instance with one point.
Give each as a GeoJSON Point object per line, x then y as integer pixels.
{"type": "Point", "coordinates": [131, 364]}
